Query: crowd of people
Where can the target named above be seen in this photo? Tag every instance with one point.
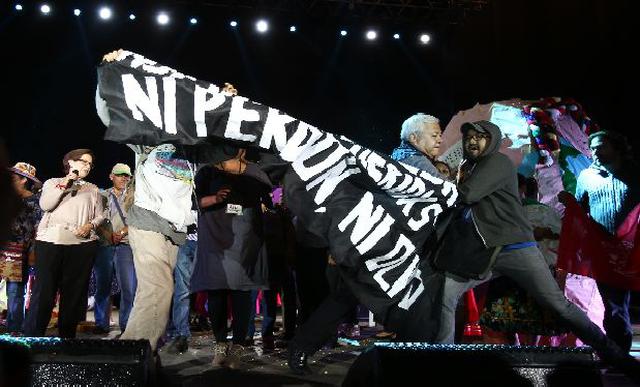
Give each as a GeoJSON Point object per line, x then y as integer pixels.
{"type": "Point", "coordinates": [174, 234]}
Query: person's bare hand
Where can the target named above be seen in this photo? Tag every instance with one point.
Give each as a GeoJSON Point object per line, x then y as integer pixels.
{"type": "Point", "coordinates": [84, 231]}
{"type": "Point", "coordinates": [222, 194]}
{"type": "Point", "coordinates": [229, 88]}
{"type": "Point", "coordinates": [113, 55]}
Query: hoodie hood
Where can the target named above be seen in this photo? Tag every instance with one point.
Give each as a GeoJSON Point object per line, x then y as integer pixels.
{"type": "Point", "coordinates": [485, 127]}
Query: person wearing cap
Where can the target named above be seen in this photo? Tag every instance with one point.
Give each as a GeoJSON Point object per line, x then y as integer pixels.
{"type": "Point", "coordinates": [420, 140]}
{"type": "Point", "coordinates": [608, 191]}
{"type": "Point", "coordinates": [14, 254]}
{"type": "Point", "coordinates": [65, 247]}
{"type": "Point", "coordinates": [488, 188]}
{"type": "Point", "coordinates": [114, 252]}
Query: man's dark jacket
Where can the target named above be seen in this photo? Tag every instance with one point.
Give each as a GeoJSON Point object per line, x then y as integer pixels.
{"type": "Point", "coordinates": [491, 190]}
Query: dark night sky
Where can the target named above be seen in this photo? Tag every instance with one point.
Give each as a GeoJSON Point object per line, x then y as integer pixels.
{"type": "Point", "coordinates": [513, 48]}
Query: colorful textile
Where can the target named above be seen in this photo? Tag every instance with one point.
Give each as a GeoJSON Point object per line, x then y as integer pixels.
{"type": "Point", "coordinates": [510, 309]}
{"type": "Point", "coordinates": [13, 256]}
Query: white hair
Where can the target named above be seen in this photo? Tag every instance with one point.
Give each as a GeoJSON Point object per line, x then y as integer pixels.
{"type": "Point", "coordinates": [414, 124]}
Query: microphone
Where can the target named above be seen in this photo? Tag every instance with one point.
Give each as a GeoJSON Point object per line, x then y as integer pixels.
{"type": "Point", "coordinates": [71, 181]}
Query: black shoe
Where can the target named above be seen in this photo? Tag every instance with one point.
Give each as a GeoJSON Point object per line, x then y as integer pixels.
{"type": "Point", "coordinates": [298, 361]}
{"type": "Point", "coordinates": [178, 345]}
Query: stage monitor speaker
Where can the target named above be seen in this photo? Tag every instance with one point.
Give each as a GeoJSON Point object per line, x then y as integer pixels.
{"type": "Point", "coordinates": [73, 362]}
{"type": "Point", "coordinates": [473, 365]}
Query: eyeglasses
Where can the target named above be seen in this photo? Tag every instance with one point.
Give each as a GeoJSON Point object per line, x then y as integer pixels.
{"type": "Point", "coordinates": [477, 137]}
{"type": "Point", "coordinates": [123, 175]}
{"type": "Point", "coordinates": [85, 162]}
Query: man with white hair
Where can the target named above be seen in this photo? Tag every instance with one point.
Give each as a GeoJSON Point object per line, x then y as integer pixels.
{"type": "Point", "coordinates": [420, 140]}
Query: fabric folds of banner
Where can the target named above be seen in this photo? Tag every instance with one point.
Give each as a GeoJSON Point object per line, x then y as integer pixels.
{"type": "Point", "coordinates": [376, 214]}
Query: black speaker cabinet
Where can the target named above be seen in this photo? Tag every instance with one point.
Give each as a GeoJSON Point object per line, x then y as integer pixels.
{"type": "Point", "coordinates": [389, 364]}
{"type": "Point", "coordinates": [71, 362]}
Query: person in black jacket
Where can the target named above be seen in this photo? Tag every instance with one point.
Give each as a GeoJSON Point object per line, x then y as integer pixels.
{"type": "Point", "coordinates": [488, 186]}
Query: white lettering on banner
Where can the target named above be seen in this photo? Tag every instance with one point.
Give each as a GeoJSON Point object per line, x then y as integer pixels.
{"type": "Point", "coordinates": [367, 222]}
{"type": "Point", "coordinates": [141, 103]}
{"type": "Point", "coordinates": [364, 216]}
{"type": "Point", "coordinates": [331, 178]}
{"type": "Point", "coordinates": [400, 188]}
{"type": "Point", "coordinates": [413, 293]}
{"type": "Point", "coordinates": [375, 164]}
{"type": "Point", "coordinates": [201, 105]}
{"type": "Point", "coordinates": [390, 178]}
{"type": "Point", "coordinates": [417, 224]}
{"type": "Point", "coordinates": [408, 203]}
{"type": "Point", "coordinates": [237, 115]}
{"type": "Point", "coordinates": [382, 264]}
{"type": "Point", "coordinates": [449, 189]}
{"type": "Point", "coordinates": [381, 230]}
{"type": "Point", "coordinates": [152, 67]}
{"type": "Point", "coordinates": [296, 144]}
{"type": "Point", "coordinates": [169, 90]}
{"type": "Point", "coordinates": [274, 130]}
{"type": "Point", "coordinates": [307, 172]}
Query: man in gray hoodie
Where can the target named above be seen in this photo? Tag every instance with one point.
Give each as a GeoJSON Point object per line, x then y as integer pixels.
{"type": "Point", "coordinates": [488, 187]}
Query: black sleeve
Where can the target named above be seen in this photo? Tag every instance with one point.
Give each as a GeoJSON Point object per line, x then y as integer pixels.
{"type": "Point", "coordinates": [203, 181]}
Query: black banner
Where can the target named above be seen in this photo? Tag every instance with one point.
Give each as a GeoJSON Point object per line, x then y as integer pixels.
{"type": "Point", "coordinates": [375, 213]}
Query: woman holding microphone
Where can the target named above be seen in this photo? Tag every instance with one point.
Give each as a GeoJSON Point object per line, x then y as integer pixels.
{"type": "Point", "coordinates": [65, 246]}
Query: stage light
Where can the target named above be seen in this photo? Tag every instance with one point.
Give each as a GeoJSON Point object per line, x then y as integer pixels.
{"type": "Point", "coordinates": [77, 12]}
{"type": "Point", "coordinates": [343, 33]}
{"type": "Point", "coordinates": [162, 18]}
{"type": "Point", "coordinates": [262, 26]}
{"type": "Point", "coordinates": [396, 36]}
{"type": "Point", "coordinates": [132, 17]}
{"type": "Point", "coordinates": [105, 13]}
{"type": "Point", "coordinates": [193, 20]}
{"type": "Point", "coordinates": [372, 35]}
{"type": "Point", "coordinates": [45, 9]}
{"type": "Point", "coordinates": [18, 7]}
{"type": "Point", "coordinates": [292, 29]}
{"type": "Point", "coordinates": [425, 38]}
{"type": "Point", "coordinates": [233, 23]}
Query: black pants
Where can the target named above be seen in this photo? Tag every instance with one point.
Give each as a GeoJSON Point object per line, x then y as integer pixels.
{"type": "Point", "coordinates": [289, 304]}
{"type": "Point", "coordinates": [63, 268]}
{"type": "Point", "coordinates": [240, 311]}
{"type": "Point", "coordinates": [312, 284]}
{"type": "Point", "coordinates": [323, 323]}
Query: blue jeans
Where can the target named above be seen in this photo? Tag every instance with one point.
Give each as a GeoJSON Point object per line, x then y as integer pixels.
{"type": "Point", "coordinates": [617, 321]}
{"type": "Point", "coordinates": [179, 322]}
{"type": "Point", "coordinates": [15, 306]}
{"type": "Point", "coordinates": [121, 257]}
{"type": "Point", "coordinates": [268, 308]}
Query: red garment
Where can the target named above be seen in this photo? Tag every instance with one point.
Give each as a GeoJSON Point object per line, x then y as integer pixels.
{"type": "Point", "coordinates": [587, 249]}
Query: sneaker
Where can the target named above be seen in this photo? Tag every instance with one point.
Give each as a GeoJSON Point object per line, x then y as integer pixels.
{"type": "Point", "coordinates": [234, 357]}
{"type": "Point", "coordinates": [219, 354]}
{"type": "Point", "coordinates": [178, 345]}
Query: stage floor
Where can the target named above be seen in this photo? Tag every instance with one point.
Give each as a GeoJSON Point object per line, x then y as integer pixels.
{"type": "Point", "coordinates": [330, 365]}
